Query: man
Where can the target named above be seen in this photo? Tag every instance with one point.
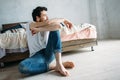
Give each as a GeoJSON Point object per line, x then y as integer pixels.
{"type": "Point", "coordinates": [44, 44]}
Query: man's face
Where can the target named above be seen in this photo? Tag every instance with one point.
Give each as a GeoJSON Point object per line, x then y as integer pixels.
{"type": "Point", "coordinates": [43, 16]}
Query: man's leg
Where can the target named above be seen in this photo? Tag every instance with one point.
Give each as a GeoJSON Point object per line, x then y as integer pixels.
{"type": "Point", "coordinates": [39, 63]}
{"type": "Point", "coordinates": [53, 49]}
{"type": "Point", "coordinates": [34, 65]}
{"type": "Point", "coordinates": [54, 46]}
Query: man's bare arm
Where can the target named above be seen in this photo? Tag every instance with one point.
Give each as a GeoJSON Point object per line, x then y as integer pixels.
{"type": "Point", "coordinates": [68, 23]}
{"type": "Point", "coordinates": [48, 22]}
{"type": "Point", "coordinates": [50, 27]}
{"type": "Point", "coordinates": [57, 20]}
{"type": "Point", "coordinates": [39, 24]}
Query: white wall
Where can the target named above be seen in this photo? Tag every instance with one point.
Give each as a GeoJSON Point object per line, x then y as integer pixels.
{"type": "Point", "coordinates": [98, 17]}
{"type": "Point", "coordinates": [105, 15]}
{"type": "Point", "coordinates": [102, 13]}
{"type": "Point", "coordinates": [20, 10]}
{"type": "Point", "coordinates": [113, 15]}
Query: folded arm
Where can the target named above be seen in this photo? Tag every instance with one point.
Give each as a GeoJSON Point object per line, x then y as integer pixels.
{"type": "Point", "coordinates": [59, 20]}
{"type": "Point", "coordinates": [49, 25]}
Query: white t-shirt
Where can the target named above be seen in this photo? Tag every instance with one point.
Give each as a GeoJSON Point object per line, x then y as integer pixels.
{"type": "Point", "coordinates": [37, 41]}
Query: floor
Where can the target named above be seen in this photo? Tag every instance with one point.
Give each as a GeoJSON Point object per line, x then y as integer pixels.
{"type": "Point", "coordinates": [101, 64]}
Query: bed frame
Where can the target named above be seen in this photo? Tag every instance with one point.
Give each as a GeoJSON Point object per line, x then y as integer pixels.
{"type": "Point", "coordinates": [66, 46]}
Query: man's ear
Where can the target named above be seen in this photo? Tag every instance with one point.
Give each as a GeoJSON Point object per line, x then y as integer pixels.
{"type": "Point", "coordinates": [37, 18]}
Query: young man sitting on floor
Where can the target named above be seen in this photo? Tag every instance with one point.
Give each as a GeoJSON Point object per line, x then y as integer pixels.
{"type": "Point", "coordinates": [44, 44]}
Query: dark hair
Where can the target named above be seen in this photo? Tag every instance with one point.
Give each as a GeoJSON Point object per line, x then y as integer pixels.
{"type": "Point", "coordinates": [37, 12]}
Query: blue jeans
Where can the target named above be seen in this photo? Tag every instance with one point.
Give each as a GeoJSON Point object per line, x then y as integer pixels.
{"type": "Point", "coordinates": [39, 62]}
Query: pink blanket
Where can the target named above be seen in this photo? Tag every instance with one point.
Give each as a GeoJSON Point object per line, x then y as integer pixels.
{"type": "Point", "coordinates": [86, 33]}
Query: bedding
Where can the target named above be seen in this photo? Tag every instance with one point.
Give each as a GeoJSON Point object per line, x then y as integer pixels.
{"type": "Point", "coordinates": [22, 50]}
{"type": "Point", "coordinates": [12, 28]}
{"type": "Point", "coordinates": [18, 38]}
{"type": "Point", "coordinates": [83, 31]}
{"type": "Point", "coordinates": [10, 37]}
{"type": "Point", "coordinates": [2, 52]}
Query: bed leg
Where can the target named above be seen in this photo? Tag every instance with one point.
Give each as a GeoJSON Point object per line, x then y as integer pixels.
{"type": "Point", "coordinates": [92, 49]}
{"type": "Point", "coordinates": [1, 64]}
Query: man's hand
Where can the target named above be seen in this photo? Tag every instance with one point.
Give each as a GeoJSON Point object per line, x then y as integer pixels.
{"type": "Point", "coordinates": [33, 28]}
{"type": "Point", "coordinates": [68, 24]}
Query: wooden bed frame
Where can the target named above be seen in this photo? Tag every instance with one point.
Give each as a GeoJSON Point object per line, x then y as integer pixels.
{"type": "Point", "coordinates": [66, 46]}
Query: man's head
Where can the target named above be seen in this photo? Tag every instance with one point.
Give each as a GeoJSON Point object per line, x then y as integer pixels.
{"type": "Point", "coordinates": [39, 14]}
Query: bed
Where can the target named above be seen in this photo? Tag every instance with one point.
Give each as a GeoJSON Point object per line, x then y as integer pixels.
{"type": "Point", "coordinates": [69, 42]}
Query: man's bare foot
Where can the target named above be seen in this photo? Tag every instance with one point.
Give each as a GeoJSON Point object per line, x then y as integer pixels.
{"type": "Point", "coordinates": [68, 64]}
{"type": "Point", "coordinates": [61, 69]}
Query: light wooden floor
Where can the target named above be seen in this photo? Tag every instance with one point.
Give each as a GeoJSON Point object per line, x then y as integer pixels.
{"type": "Point", "coordinates": [101, 64]}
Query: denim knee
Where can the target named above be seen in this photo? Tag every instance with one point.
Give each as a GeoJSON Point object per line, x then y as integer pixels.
{"type": "Point", "coordinates": [27, 67]}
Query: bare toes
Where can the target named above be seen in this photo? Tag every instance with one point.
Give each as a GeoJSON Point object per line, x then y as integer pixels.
{"type": "Point", "coordinates": [65, 73]}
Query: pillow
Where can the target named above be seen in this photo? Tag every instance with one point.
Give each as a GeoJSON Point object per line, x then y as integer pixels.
{"type": "Point", "coordinates": [14, 27]}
